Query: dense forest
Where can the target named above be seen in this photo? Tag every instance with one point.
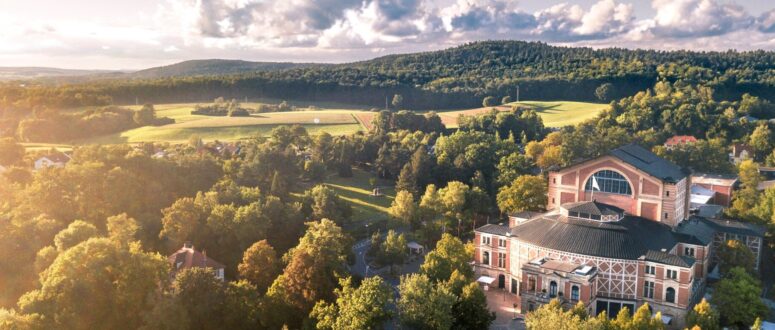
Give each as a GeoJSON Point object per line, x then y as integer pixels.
{"type": "Point", "coordinates": [453, 78]}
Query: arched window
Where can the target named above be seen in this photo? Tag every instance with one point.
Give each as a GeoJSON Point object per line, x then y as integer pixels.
{"type": "Point", "coordinates": [610, 182]}
{"type": "Point", "coordinates": [574, 292]}
{"type": "Point", "coordinates": [552, 289]}
{"type": "Point", "coordinates": [670, 295]}
{"type": "Point", "coordinates": [486, 258]}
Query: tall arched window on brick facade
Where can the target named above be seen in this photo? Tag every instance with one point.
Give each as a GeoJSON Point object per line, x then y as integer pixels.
{"type": "Point", "coordinates": [574, 293]}
{"type": "Point", "coordinates": [552, 289]}
{"type": "Point", "coordinates": [670, 295]}
{"type": "Point", "coordinates": [610, 182]}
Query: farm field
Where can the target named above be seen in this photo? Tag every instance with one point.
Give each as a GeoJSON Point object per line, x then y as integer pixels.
{"type": "Point", "coordinates": [344, 119]}
{"type": "Point", "coordinates": [333, 121]}
{"type": "Point", "coordinates": [554, 113]}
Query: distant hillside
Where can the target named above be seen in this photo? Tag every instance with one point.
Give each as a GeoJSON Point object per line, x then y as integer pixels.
{"type": "Point", "coordinates": [24, 73]}
{"type": "Point", "coordinates": [454, 78]}
{"type": "Point", "coordinates": [213, 67]}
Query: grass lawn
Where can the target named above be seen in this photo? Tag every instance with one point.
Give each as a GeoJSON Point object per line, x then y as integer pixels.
{"type": "Point", "coordinates": [357, 191]}
{"type": "Point", "coordinates": [554, 113]}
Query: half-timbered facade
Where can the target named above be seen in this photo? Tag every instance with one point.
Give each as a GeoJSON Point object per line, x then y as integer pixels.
{"type": "Point", "coordinates": [604, 250]}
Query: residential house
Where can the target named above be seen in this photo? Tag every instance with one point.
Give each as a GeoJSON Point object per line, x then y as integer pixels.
{"type": "Point", "coordinates": [740, 152]}
{"type": "Point", "coordinates": [187, 257]}
{"type": "Point", "coordinates": [57, 159]}
{"type": "Point", "coordinates": [679, 140]}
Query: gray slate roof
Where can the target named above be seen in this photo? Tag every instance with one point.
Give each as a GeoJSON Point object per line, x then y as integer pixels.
{"type": "Point", "coordinates": [593, 207]}
{"type": "Point", "coordinates": [669, 259]}
{"type": "Point", "coordinates": [649, 162]}
{"type": "Point", "coordinates": [494, 229]}
{"type": "Point", "coordinates": [695, 231]}
{"type": "Point", "coordinates": [735, 227]}
{"type": "Point", "coordinates": [629, 238]}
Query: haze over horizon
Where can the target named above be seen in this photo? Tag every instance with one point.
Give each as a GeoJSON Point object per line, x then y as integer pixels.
{"type": "Point", "coordinates": [81, 34]}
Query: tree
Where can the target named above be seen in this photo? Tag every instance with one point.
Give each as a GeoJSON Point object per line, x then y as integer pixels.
{"type": "Point", "coordinates": [526, 193]}
{"type": "Point", "coordinates": [552, 316]}
{"type": "Point", "coordinates": [470, 310]}
{"type": "Point", "coordinates": [365, 307]}
{"type": "Point", "coordinates": [403, 208]}
{"type": "Point", "coordinates": [78, 231]}
{"type": "Point", "coordinates": [512, 166]}
{"type": "Point", "coordinates": [407, 180]}
{"type": "Point", "coordinates": [117, 281]}
{"type": "Point", "coordinates": [11, 152]}
{"type": "Point", "coordinates": [259, 265]}
{"type": "Point", "coordinates": [604, 92]}
{"type": "Point", "coordinates": [202, 297]}
{"type": "Point", "coordinates": [423, 305]}
{"type": "Point", "coordinates": [145, 116]}
{"type": "Point", "coordinates": [761, 140]}
{"type": "Point", "coordinates": [489, 101]}
{"type": "Point", "coordinates": [122, 229]}
{"type": "Point", "coordinates": [506, 100]}
{"type": "Point", "coordinates": [393, 250]}
{"type": "Point", "coordinates": [449, 255]}
{"type": "Point", "coordinates": [322, 202]}
{"type": "Point", "coordinates": [314, 269]}
{"type": "Point", "coordinates": [734, 253]}
{"type": "Point", "coordinates": [704, 316]}
{"type": "Point", "coordinates": [397, 101]}
{"type": "Point", "coordinates": [737, 297]}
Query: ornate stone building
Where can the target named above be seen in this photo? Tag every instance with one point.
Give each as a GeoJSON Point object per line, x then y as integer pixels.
{"type": "Point", "coordinates": [617, 234]}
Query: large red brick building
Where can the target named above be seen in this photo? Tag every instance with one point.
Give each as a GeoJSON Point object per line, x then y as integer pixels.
{"type": "Point", "coordinates": [617, 234]}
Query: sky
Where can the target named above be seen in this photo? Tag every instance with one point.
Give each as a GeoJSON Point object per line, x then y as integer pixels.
{"type": "Point", "coordinates": [113, 35]}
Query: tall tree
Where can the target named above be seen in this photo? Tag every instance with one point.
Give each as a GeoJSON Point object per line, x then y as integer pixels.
{"type": "Point", "coordinates": [526, 193]}
{"type": "Point", "coordinates": [704, 316]}
{"type": "Point", "coordinates": [737, 297]}
{"type": "Point", "coordinates": [117, 281]}
{"type": "Point", "coordinates": [259, 265]}
{"type": "Point", "coordinates": [449, 255]}
{"type": "Point", "coordinates": [424, 305]}
{"type": "Point", "coordinates": [11, 152]}
{"type": "Point", "coordinates": [78, 231]}
{"type": "Point", "coordinates": [471, 310]}
{"type": "Point", "coordinates": [403, 208]}
{"type": "Point", "coordinates": [365, 307]}
{"type": "Point", "coordinates": [734, 253]}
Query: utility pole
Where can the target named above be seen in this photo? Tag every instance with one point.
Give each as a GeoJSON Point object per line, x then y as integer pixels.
{"type": "Point", "coordinates": [137, 101]}
{"type": "Point", "coordinates": [386, 106]}
{"type": "Point", "coordinates": [517, 93]}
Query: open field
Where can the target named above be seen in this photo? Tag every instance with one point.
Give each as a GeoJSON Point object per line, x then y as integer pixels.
{"type": "Point", "coordinates": [337, 119]}
{"type": "Point", "coordinates": [554, 113]}
{"type": "Point", "coordinates": [357, 191]}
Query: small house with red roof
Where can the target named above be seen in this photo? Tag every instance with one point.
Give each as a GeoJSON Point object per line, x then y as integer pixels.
{"type": "Point", "coordinates": [187, 257]}
{"type": "Point", "coordinates": [679, 140]}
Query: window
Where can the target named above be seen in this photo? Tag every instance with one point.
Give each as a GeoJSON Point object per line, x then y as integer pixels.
{"type": "Point", "coordinates": [667, 193]}
{"type": "Point", "coordinates": [552, 200]}
{"type": "Point", "coordinates": [552, 289]}
{"type": "Point", "coordinates": [554, 180]}
{"type": "Point", "coordinates": [671, 274]}
{"type": "Point", "coordinates": [574, 292]}
{"type": "Point", "coordinates": [648, 290]}
{"type": "Point", "coordinates": [502, 242]}
{"type": "Point", "coordinates": [514, 286]}
{"type": "Point", "coordinates": [689, 252]}
{"type": "Point", "coordinates": [486, 240]}
{"type": "Point", "coordinates": [610, 182]}
{"type": "Point", "coordinates": [531, 283]}
{"type": "Point", "coordinates": [670, 295]}
{"type": "Point", "coordinates": [651, 270]}
{"type": "Point", "coordinates": [501, 260]}
{"type": "Point", "coordinates": [665, 215]}
{"type": "Point", "coordinates": [486, 258]}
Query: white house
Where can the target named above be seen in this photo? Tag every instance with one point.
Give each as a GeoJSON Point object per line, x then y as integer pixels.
{"type": "Point", "coordinates": [58, 159]}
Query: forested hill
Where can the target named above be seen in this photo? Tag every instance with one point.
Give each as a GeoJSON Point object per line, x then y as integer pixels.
{"type": "Point", "coordinates": [460, 77]}
{"type": "Point", "coordinates": [214, 67]}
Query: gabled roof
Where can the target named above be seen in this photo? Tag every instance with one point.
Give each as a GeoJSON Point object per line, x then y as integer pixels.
{"type": "Point", "coordinates": [695, 231]}
{"type": "Point", "coordinates": [187, 257]}
{"type": "Point", "coordinates": [643, 160]}
{"type": "Point", "coordinates": [494, 229]}
{"type": "Point", "coordinates": [649, 162]}
{"type": "Point", "coordinates": [593, 208]}
{"type": "Point", "coordinates": [669, 259]}
{"type": "Point", "coordinates": [680, 139]}
{"type": "Point", "coordinates": [58, 157]}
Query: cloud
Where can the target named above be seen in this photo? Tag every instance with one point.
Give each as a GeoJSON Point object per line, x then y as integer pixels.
{"type": "Point", "coordinates": [766, 22]}
{"type": "Point", "coordinates": [696, 18]}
